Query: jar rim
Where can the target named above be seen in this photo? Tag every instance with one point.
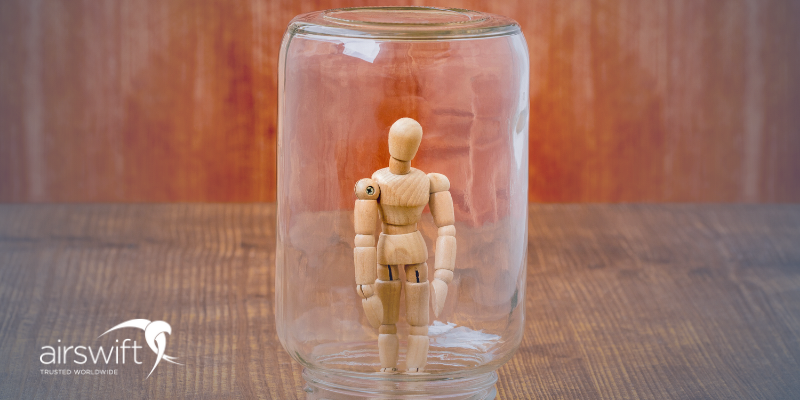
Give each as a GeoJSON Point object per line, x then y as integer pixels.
{"type": "Point", "coordinates": [403, 23]}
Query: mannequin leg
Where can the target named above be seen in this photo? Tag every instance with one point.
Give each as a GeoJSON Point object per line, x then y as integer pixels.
{"type": "Point", "coordinates": [417, 300]}
{"type": "Point", "coordinates": [388, 287]}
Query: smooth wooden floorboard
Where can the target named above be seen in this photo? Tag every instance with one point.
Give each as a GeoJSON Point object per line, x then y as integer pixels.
{"type": "Point", "coordinates": [623, 301]}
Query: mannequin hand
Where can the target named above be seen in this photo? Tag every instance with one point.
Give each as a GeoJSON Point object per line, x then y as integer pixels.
{"type": "Point", "coordinates": [373, 308]}
{"type": "Point", "coordinates": [439, 295]}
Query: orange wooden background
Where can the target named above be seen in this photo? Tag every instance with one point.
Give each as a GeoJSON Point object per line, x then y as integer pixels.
{"type": "Point", "coordinates": [667, 100]}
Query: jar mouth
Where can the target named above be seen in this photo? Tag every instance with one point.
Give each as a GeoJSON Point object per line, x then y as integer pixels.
{"type": "Point", "coordinates": [404, 16]}
{"type": "Point", "coordinates": [403, 23]}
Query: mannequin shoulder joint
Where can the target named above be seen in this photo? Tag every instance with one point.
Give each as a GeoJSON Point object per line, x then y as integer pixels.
{"type": "Point", "coordinates": [367, 189]}
{"type": "Point", "coordinates": [439, 182]}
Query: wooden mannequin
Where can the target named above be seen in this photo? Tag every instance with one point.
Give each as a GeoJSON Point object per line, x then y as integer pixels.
{"type": "Point", "coordinates": [398, 194]}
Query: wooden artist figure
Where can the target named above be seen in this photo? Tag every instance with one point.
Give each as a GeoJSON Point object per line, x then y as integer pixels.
{"type": "Point", "coordinates": [397, 195]}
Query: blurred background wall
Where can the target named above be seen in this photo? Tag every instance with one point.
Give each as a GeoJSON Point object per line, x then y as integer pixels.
{"type": "Point", "coordinates": [159, 101]}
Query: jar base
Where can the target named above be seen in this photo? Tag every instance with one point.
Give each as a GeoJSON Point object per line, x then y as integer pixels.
{"type": "Point", "coordinates": [330, 385]}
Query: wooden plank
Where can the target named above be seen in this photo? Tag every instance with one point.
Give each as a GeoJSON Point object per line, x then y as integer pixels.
{"type": "Point", "coordinates": [623, 301]}
{"type": "Point", "coordinates": [71, 272]}
{"type": "Point", "coordinates": [691, 100]}
{"type": "Point", "coordinates": [139, 101]}
{"type": "Point", "coordinates": [661, 302]}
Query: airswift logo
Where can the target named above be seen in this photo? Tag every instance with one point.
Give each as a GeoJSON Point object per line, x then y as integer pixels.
{"type": "Point", "coordinates": [155, 335]}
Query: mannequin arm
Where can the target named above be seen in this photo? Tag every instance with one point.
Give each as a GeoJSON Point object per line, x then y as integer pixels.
{"type": "Point", "coordinates": [441, 205]}
{"type": "Point", "coordinates": [365, 253]}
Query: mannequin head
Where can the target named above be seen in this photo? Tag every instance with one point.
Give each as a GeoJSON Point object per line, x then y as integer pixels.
{"type": "Point", "coordinates": [405, 136]}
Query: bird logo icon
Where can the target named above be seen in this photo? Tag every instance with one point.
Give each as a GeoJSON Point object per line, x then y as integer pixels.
{"type": "Point", "coordinates": [155, 334]}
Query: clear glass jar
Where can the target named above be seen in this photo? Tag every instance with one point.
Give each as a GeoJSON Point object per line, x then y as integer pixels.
{"type": "Point", "coordinates": [346, 76]}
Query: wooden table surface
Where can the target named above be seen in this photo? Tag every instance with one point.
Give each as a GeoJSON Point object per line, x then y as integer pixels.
{"type": "Point", "coordinates": [624, 301]}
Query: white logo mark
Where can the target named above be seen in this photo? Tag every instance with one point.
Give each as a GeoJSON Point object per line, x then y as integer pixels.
{"type": "Point", "coordinates": [155, 336]}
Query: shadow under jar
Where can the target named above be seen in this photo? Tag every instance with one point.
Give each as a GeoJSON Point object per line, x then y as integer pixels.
{"type": "Point", "coordinates": [345, 76]}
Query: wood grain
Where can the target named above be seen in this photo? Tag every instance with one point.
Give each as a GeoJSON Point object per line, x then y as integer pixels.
{"type": "Point", "coordinates": [690, 100]}
{"type": "Point", "coordinates": [624, 301]}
